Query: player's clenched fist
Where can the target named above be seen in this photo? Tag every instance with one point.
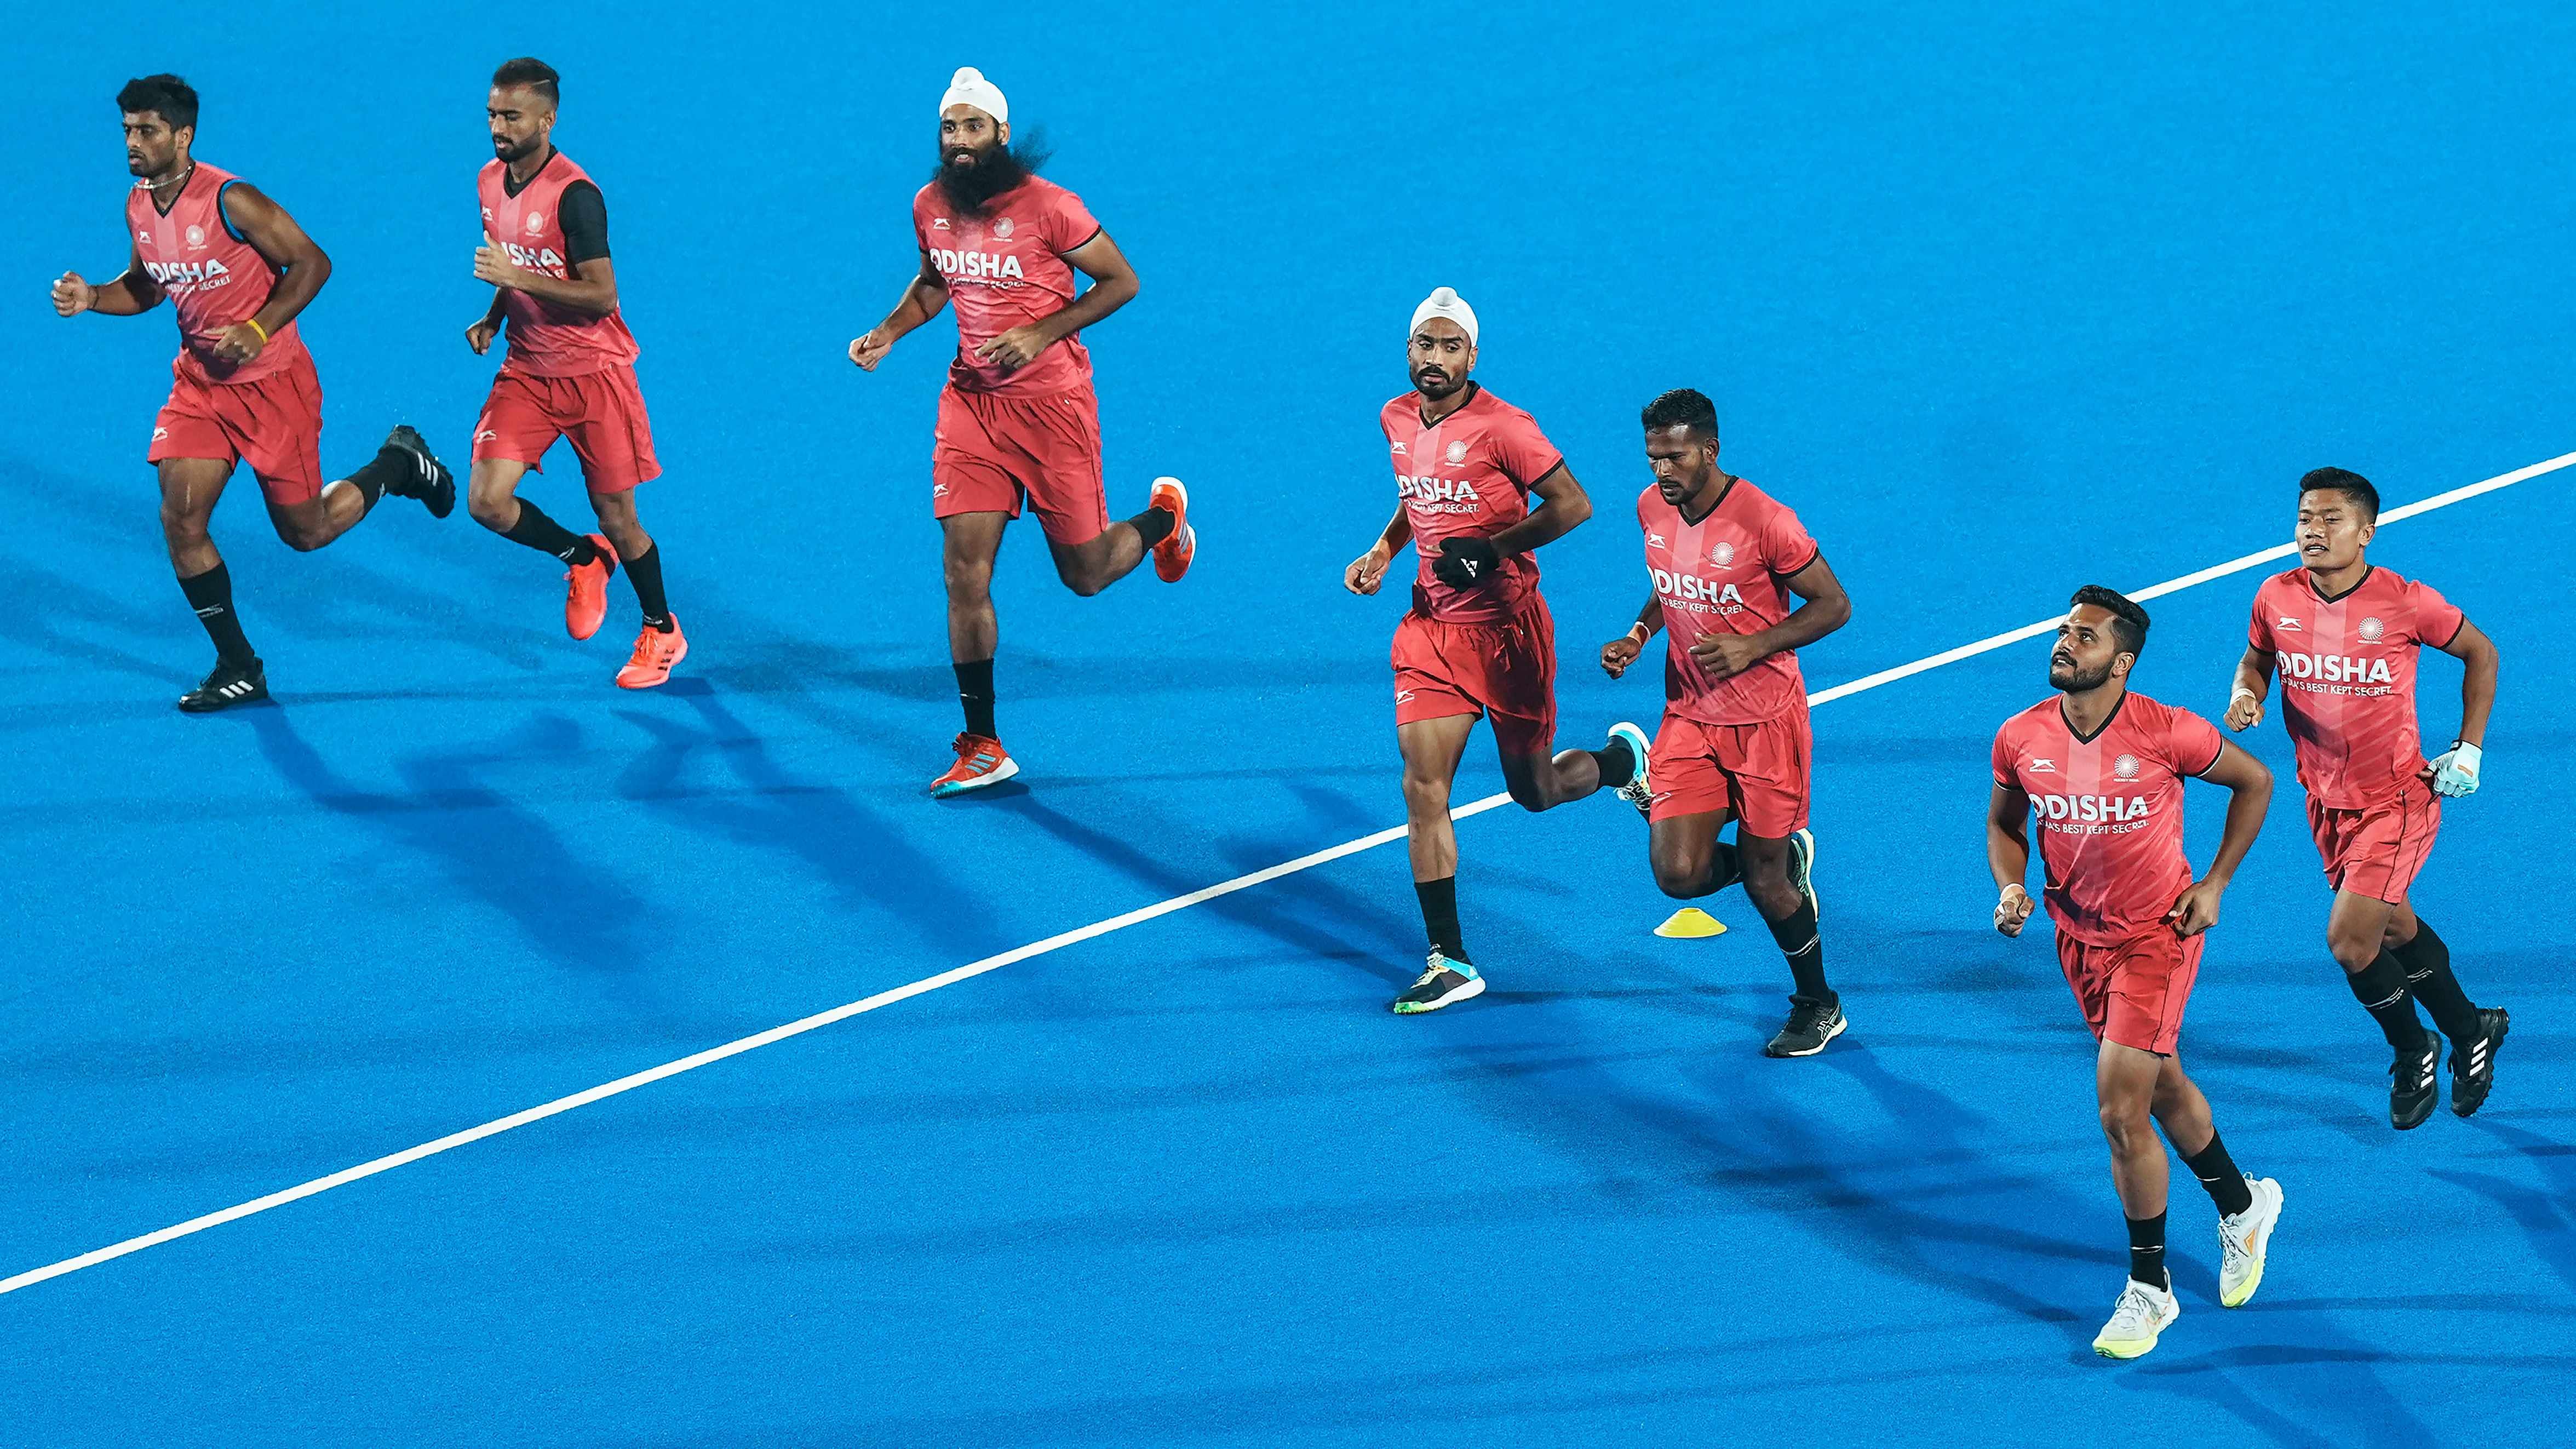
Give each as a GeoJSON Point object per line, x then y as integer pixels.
{"type": "Point", "coordinates": [2197, 910]}
{"type": "Point", "coordinates": [240, 343]}
{"type": "Point", "coordinates": [2012, 909]}
{"type": "Point", "coordinates": [71, 295]}
{"type": "Point", "coordinates": [870, 350]}
{"type": "Point", "coordinates": [1621, 652]}
{"type": "Point", "coordinates": [479, 336]}
{"type": "Point", "coordinates": [492, 264]}
{"type": "Point", "coordinates": [2245, 711]}
{"type": "Point", "coordinates": [1367, 571]}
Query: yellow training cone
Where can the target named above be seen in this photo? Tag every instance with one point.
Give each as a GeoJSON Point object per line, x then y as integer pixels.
{"type": "Point", "coordinates": [1690, 923]}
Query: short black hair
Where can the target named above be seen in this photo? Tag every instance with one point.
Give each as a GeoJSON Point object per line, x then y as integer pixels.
{"type": "Point", "coordinates": [167, 96]}
{"type": "Point", "coordinates": [2129, 626]}
{"type": "Point", "coordinates": [1683, 407]}
{"type": "Point", "coordinates": [2346, 482]}
{"type": "Point", "coordinates": [533, 73]}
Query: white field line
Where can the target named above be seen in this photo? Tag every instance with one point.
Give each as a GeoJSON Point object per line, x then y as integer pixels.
{"type": "Point", "coordinates": [1136, 917]}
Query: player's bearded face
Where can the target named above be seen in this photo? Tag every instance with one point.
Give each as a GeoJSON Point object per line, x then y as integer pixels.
{"type": "Point", "coordinates": [520, 123]}
{"type": "Point", "coordinates": [151, 147]}
{"type": "Point", "coordinates": [975, 164]}
{"type": "Point", "coordinates": [1439, 358]}
{"type": "Point", "coordinates": [2084, 655]}
{"type": "Point", "coordinates": [1681, 462]}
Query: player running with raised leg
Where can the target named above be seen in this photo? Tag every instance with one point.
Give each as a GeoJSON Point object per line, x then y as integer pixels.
{"type": "Point", "coordinates": [1735, 742]}
{"type": "Point", "coordinates": [2345, 638]}
{"type": "Point", "coordinates": [2102, 768]}
{"type": "Point", "coordinates": [1478, 640]}
{"type": "Point", "coordinates": [237, 270]}
{"type": "Point", "coordinates": [1018, 421]}
{"type": "Point", "coordinates": [569, 372]}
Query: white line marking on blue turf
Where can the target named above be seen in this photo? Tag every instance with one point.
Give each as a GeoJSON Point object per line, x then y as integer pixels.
{"type": "Point", "coordinates": [1136, 917]}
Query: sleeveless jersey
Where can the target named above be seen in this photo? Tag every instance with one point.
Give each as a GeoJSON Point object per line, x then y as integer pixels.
{"type": "Point", "coordinates": [546, 340]}
{"type": "Point", "coordinates": [212, 277]}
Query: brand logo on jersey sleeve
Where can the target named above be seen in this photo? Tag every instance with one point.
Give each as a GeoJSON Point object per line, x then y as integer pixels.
{"type": "Point", "coordinates": [2126, 767]}
{"type": "Point", "coordinates": [536, 222]}
{"type": "Point", "coordinates": [1457, 451]}
{"type": "Point", "coordinates": [939, 223]}
{"type": "Point", "coordinates": [1656, 540]}
{"type": "Point", "coordinates": [2289, 625]}
{"type": "Point", "coordinates": [2371, 631]}
{"type": "Point", "coordinates": [1397, 447]}
{"type": "Point", "coordinates": [2042, 765]}
{"type": "Point", "coordinates": [143, 236]}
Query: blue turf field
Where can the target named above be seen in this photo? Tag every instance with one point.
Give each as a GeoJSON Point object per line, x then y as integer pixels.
{"type": "Point", "coordinates": [2001, 303]}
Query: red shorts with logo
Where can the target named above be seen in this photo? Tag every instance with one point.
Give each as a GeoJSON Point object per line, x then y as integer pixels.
{"type": "Point", "coordinates": [1757, 773]}
{"type": "Point", "coordinates": [273, 423]}
{"type": "Point", "coordinates": [601, 412]}
{"type": "Point", "coordinates": [993, 450]}
{"type": "Point", "coordinates": [2133, 992]}
{"type": "Point", "coordinates": [1505, 671]}
{"type": "Point", "coordinates": [2376, 851]}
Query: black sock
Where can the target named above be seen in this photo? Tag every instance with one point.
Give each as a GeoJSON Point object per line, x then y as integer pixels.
{"type": "Point", "coordinates": [390, 465]}
{"type": "Point", "coordinates": [1440, 916]}
{"type": "Point", "coordinates": [1618, 763]}
{"type": "Point", "coordinates": [2427, 963]}
{"type": "Point", "coordinates": [1153, 525]}
{"type": "Point", "coordinates": [2147, 1251]}
{"type": "Point", "coordinates": [975, 691]}
{"type": "Point", "coordinates": [211, 595]}
{"type": "Point", "coordinates": [644, 571]}
{"type": "Point", "coordinates": [547, 536]}
{"type": "Point", "coordinates": [2217, 1172]}
{"type": "Point", "coordinates": [1805, 947]}
{"type": "Point", "coordinates": [2380, 987]}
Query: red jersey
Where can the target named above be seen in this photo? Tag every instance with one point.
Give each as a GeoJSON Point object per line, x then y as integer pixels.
{"type": "Point", "coordinates": [2109, 809]}
{"type": "Point", "coordinates": [212, 277]}
{"type": "Point", "coordinates": [1467, 474]}
{"type": "Point", "coordinates": [1726, 574]}
{"type": "Point", "coordinates": [547, 340]}
{"type": "Point", "coordinates": [2347, 670]}
{"type": "Point", "coordinates": [1006, 269]}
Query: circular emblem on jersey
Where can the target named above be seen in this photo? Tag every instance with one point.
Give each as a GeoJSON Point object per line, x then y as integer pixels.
{"type": "Point", "coordinates": [196, 236]}
{"type": "Point", "coordinates": [2126, 767]}
{"type": "Point", "coordinates": [1723, 555]}
{"type": "Point", "coordinates": [536, 222]}
{"type": "Point", "coordinates": [1458, 451]}
{"type": "Point", "coordinates": [2370, 631]}
{"type": "Point", "coordinates": [1002, 228]}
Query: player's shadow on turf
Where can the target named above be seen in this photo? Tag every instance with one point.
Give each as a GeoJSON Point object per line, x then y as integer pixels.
{"type": "Point", "coordinates": [2546, 1214]}
{"type": "Point", "coordinates": [472, 836]}
{"type": "Point", "coordinates": [840, 841]}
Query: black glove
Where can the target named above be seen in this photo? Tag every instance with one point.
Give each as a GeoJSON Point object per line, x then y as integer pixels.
{"type": "Point", "coordinates": [1466, 562]}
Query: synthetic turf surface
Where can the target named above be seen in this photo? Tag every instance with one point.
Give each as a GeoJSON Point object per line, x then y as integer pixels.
{"type": "Point", "coordinates": [2001, 304]}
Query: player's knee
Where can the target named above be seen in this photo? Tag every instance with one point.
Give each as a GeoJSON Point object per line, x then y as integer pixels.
{"type": "Point", "coordinates": [183, 527]}
{"type": "Point", "coordinates": [1679, 876]}
{"type": "Point", "coordinates": [494, 508]}
{"type": "Point", "coordinates": [2124, 1120]}
{"type": "Point", "coordinates": [1081, 575]}
{"type": "Point", "coordinates": [1766, 884]}
{"type": "Point", "coordinates": [300, 537]}
{"type": "Point", "coordinates": [1425, 794]}
{"type": "Point", "coordinates": [2352, 950]}
{"type": "Point", "coordinates": [970, 582]}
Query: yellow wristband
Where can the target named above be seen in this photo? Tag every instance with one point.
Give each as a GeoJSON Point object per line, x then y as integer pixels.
{"type": "Point", "coordinates": [253, 324]}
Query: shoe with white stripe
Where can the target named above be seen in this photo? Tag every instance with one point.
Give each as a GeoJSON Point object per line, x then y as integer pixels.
{"type": "Point", "coordinates": [227, 685]}
{"type": "Point", "coordinates": [1443, 983]}
{"type": "Point", "coordinates": [1639, 791]}
{"type": "Point", "coordinates": [2243, 1239]}
{"type": "Point", "coordinates": [2412, 1088]}
{"type": "Point", "coordinates": [2137, 1319]}
{"type": "Point", "coordinates": [424, 477]}
{"type": "Point", "coordinates": [2473, 1061]}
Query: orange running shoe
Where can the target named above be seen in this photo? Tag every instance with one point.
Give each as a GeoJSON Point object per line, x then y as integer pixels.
{"type": "Point", "coordinates": [586, 594]}
{"type": "Point", "coordinates": [655, 653]}
{"type": "Point", "coordinates": [1172, 556]}
{"type": "Point", "coordinates": [981, 761]}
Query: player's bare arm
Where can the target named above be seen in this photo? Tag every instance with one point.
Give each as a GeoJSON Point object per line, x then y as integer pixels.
{"type": "Point", "coordinates": [1621, 652]}
{"type": "Point", "coordinates": [590, 290]}
{"type": "Point", "coordinates": [1367, 572]}
{"type": "Point", "coordinates": [302, 269]}
{"type": "Point", "coordinates": [126, 295]}
{"type": "Point", "coordinates": [1113, 285]}
{"type": "Point", "coordinates": [2454, 772]}
{"type": "Point", "coordinates": [1824, 609]}
{"type": "Point", "coordinates": [2253, 684]}
{"type": "Point", "coordinates": [923, 298]}
{"type": "Point", "coordinates": [2249, 794]}
{"type": "Point", "coordinates": [2008, 855]}
{"type": "Point", "coordinates": [480, 332]}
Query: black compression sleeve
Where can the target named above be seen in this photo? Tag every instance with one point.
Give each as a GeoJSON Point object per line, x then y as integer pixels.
{"type": "Point", "coordinates": [583, 214]}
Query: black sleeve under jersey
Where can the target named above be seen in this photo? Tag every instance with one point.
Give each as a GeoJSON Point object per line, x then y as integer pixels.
{"type": "Point", "coordinates": [583, 214]}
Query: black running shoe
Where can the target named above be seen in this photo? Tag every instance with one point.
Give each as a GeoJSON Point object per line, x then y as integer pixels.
{"type": "Point", "coordinates": [1443, 983]}
{"type": "Point", "coordinates": [427, 479]}
{"type": "Point", "coordinates": [2411, 1089]}
{"type": "Point", "coordinates": [2473, 1061]}
{"type": "Point", "coordinates": [228, 685]}
{"type": "Point", "coordinates": [1812, 1023]}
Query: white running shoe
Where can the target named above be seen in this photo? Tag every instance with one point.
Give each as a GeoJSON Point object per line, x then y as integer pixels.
{"type": "Point", "coordinates": [2242, 1239]}
{"type": "Point", "coordinates": [1639, 791]}
{"type": "Point", "coordinates": [2140, 1315]}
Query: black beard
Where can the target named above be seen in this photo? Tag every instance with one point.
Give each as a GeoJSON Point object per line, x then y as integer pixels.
{"type": "Point", "coordinates": [971, 188]}
{"type": "Point", "coordinates": [2074, 681]}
